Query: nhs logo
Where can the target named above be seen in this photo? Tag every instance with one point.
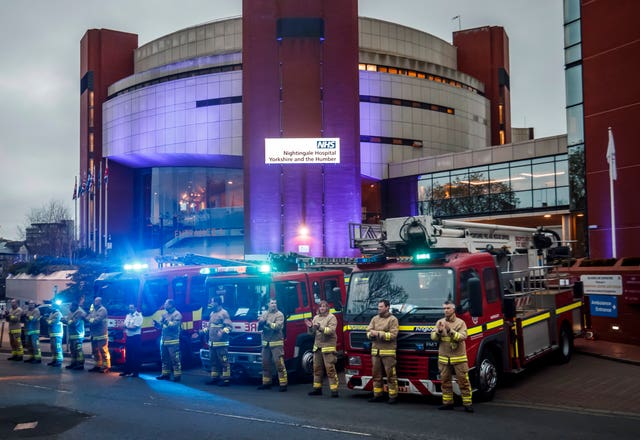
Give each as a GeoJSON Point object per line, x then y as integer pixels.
{"type": "Point", "coordinates": [326, 144]}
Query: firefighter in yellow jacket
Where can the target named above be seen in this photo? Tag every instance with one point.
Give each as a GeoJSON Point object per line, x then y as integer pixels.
{"type": "Point", "coordinates": [220, 327]}
{"type": "Point", "coordinates": [32, 332]}
{"type": "Point", "coordinates": [98, 323]}
{"type": "Point", "coordinates": [383, 331]}
{"type": "Point", "coordinates": [14, 318]}
{"type": "Point", "coordinates": [171, 324]}
{"type": "Point", "coordinates": [451, 332]}
{"type": "Point", "coordinates": [325, 355]}
{"type": "Point", "coordinates": [271, 323]}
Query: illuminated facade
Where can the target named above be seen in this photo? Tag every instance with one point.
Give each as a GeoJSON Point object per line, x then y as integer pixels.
{"type": "Point", "coordinates": [182, 125]}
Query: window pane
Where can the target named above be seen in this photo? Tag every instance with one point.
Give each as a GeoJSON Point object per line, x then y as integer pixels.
{"type": "Point", "coordinates": [573, 80]}
{"type": "Point", "coordinates": [572, 33]}
{"type": "Point", "coordinates": [543, 198]}
{"type": "Point", "coordinates": [521, 178]}
{"type": "Point", "coordinates": [575, 125]}
{"type": "Point", "coordinates": [572, 54]}
{"type": "Point", "coordinates": [543, 175]}
{"type": "Point", "coordinates": [562, 172]}
{"type": "Point", "coordinates": [523, 200]}
{"type": "Point", "coordinates": [571, 10]}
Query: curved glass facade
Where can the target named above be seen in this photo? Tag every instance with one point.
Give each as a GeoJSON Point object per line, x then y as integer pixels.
{"type": "Point", "coordinates": [519, 186]}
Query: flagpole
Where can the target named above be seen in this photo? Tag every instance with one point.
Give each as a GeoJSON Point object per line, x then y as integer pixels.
{"type": "Point", "coordinates": [93, 224]}
{"type": "Point", "coordinates": [106, 205]}
{"type": "Point", "coordinates": [611, 158]}
{"type": "Point", "coordinates": [99, 182]}
{"type": "Point", "coordinates": [75, 210]}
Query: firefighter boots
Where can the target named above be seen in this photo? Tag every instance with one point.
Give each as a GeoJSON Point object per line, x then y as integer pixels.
{"type": "Point", "coordinates": [447, 407]}
{"type": "Point", "coordinates": [377, 399]}
{"type": "Point", "coordinates": [468, 409]}
{"type": "Point", "coordinates": [264, 386]}
{"type": "Point", "coordinates": [316, 392]}
{"type": "Point", "coordinates": [283, 388]}
{"type": "Point", "coordinates": [163, 377]}
{"type": "Point", "coordinates": [334, 394]}
{"type": "Point", "coordinates": [392, 401]}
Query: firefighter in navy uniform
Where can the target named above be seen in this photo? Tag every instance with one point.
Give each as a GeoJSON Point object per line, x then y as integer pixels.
{"type": "Point", "coordinates": [220, 327]}
{"type": "Point", "coordinates": [383, 331]}
{"type": "Point", "coordinates": [271, 323]}
{"type": "Point", "coordinates": [32, 332]}
{"type": "Point", "coordinates": [451, 332]}
{"type": "Point", "coordinates": [170, 323]}
{"type": "Point", "coordinates": [99, 325]}
{"type": "Point", "coordinates": [56, 332]}
{"type": "Point", "coordinates": [14, 318]}
{"type": "Point", "coordinates": [75, 325]}
{"type": "Point", "coordinates": [325, 355]}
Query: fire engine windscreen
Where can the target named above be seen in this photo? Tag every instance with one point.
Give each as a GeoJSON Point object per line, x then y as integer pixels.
{"type": "Point", "coordinates": [410, 291]}
{"type": "Point", "coordinates": [117, 294]}
{"type": "Point", "coordinates": [244, 299]}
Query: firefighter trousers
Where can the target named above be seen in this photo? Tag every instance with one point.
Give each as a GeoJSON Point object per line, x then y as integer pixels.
{"type": "Point", "coordinates": [15, 339]}
{"type": "Point", "coordinates": [56, 348]}
{"type": "Point", "coordinates": [171, 360]}
{"type": "Point", "coordinates": [384, 365]}
{"type": "Point", "coordinates": [75, 345]}
{"type": "Point", "coordinates": [322, 361]}
{"type": "Point", "coordinates": [100, 351]}
{"type": "Point", "coordinates": [220, 367]}
{"type": "Point", "coordinates": [461, 371]}
{"type": "Point", "coordinates": [270, 355]}
{"type": "Point", "coordinates": [33, 346]}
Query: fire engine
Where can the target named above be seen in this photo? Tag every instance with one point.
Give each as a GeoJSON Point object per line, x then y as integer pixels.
{"type": "Point", "coordinates": [246, 292]}
{"type": "Point", "coordinates": [496, 275]}
{"type": "Point", "coordinates": [147, 290]}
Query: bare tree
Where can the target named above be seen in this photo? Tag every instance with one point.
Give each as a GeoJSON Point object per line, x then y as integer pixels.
{"type": "Point", "coordinates": [52, 212]}
{"type": "Point", "coordinates": [49, 231]}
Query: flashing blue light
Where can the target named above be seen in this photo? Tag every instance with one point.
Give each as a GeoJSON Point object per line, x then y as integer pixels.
{"type": "Point", "coordinates": [205, 271]}
{"type": "Point", "coordinates": [421, 257]}
{"type": "Point", "coordinates": [58, 301]}
{"type": "Point", "coordinates": [264, 268]}
{"type": "Point", "coordinates": [376, 259]}
{"type": "Point", "coordinates": [136, 267]}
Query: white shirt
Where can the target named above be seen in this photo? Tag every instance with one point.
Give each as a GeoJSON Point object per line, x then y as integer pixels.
{"type": "Point", "coordinates": [133, 323]}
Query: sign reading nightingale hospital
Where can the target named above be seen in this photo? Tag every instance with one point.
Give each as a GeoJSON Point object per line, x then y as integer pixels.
{"type": "Point", "coordinates": [301, 150]}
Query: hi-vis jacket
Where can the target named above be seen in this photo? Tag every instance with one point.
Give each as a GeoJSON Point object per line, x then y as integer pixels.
{"type": "Point", "coordinates": [98, 323]}
{"type": "Point", "coordinates": [32, 322]}
{"type": "Point", "coordinates": [220, 326]}
{"type": "Point", "coordinates": [384, 345]}
{"type": "Point", "coordinates": [75, 321]}
{"type": "Point", "coordinates": [14, 316]}
{"type": "Point", "coordinates": [272, 334]}
{"type": "Point", "coordinates": [55, 324]}
{"type": "Point", "coordinates": [324, 328]}
{"type": "Point", "coordinates": [452, 348]}
{"type": "Point", "coordinates": [171, 323]}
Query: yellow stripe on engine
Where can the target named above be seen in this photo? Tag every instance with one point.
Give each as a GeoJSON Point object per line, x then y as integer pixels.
{"type": "Point", "coordinates": [535, 319]}
{"type": "Point", "coordinates": [572, 306]}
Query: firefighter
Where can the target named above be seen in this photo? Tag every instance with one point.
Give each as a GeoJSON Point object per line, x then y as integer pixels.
{"type": "Point", "coordinates": [32, 331]}
{"type": "Point", "coordinates": [56, 332]}
{"type": "Point", "coordinates": [98, 324]}
{"type": "Point", "coordinates": [271, 323]}
{"type": "Point", "coordinates": [451, 332]}
{"type": "Point", "coordinates": [75, 325]}
{"type": "Point", "coordinates": [170, 323]}
{"type": "Point", "coordinates": [383, 331]}
{"type": "Point", "coordinates": [14, 318]}
{"type": "Point", "coordinates": [325, 356]}
{"type": "Point", "coordinates": [220, 326]}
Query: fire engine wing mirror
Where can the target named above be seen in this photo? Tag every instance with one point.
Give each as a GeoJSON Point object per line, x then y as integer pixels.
{"type": "Point", "coordinates": [475, 296]}
{"type": "Point", "coordinates": [335, 297]}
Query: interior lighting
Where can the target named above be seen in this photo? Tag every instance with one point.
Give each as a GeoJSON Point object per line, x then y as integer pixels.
{"type": "Point", "coordinates": [615, 327]}
{"type": "Point", "coordinates": [303, 231]}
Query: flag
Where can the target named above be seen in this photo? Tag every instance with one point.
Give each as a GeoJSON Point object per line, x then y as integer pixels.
{"type": "Point", "coordinates": [75, 189]}
{"type": "Point", "coordinates": [89, 182]}
{"type": "Point", "coordinates": [82, 189]}
{"type": "Point", "coordinates": [611, 157]}
{"type": "Point", "coordinates": [106, 174]}
{"type": "Point", "coordinates": [99, 179]}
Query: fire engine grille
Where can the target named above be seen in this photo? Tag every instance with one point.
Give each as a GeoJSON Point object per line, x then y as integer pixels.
{"type": "Point", "coordinates": [358, 340]}
{"type": "Point", "coordinates": [417, 341]}
{"type": "Point", "coordinates": [244, 341]}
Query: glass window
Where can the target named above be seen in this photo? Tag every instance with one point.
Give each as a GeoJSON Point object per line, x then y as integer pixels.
{"type": "Point", "coordinates": [491, 284]}
{"type": "Point", "coordinates": [465, 275]}
{"type": "Point", "coordinates": [573, 54]}
{"type": "Point", "coordinates": [543, 198]}
{"type": "Point", "coordinates": [180, 292]}
{"type": "Point", "coordinates": [572, 34]}
{"type": "Point", "coordinates": [575, 125]}
{"type": "Point", "coordinates": [562, 196]}
{"type": "Point", "coordinates": [198, 294]}
{"type": "Point", "coordinates": [521, 177]}
{"type": "Point", "coordinates": [154, 294]}
{"type": "Point", "coordinates": [543, 175]}
{"type": "Point", "coordinates": [523, 200]}
{"type": "Point", "coordinates": [562, 172]}
{"type": "Point", "coordinates": [499, 181]}
{"type": "Point", "coordinates": [573, 80]}
{"type": "Point", "coordinates": [571, 10]}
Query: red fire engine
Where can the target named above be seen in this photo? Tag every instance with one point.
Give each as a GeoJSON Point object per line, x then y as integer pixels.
{"type": "Point", "coordinates": [496, 276]}
{"type": "Point", "coordinates": [246, 291]}
{"type": "Point", "coordinates": [147, 290]}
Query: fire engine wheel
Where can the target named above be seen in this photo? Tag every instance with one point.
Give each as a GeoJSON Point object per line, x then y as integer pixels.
{"type": "Point", "coordinates": [305, 362]}
{"type": "Point", "coordinates": [487, 377]}
{"type": "Point", "coordinates": [565, 345]}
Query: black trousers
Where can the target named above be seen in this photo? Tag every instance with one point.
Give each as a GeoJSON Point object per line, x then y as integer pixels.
{"type": "Point", "coordinates": [132, 360]}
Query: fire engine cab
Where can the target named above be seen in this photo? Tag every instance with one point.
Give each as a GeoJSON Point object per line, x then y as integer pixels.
{"type": "Point", "coordinates": [246, 292]}
{"type": "Point", "coordinates": [496, 275]}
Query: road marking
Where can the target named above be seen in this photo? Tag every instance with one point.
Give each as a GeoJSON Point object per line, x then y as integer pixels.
{"type": "Point", "coordinates": [42, 388]}
{"type": "Point", "coordinates": [276, 422]}
{"type": "Point", "coordinates": [567, 409]}
{"type": "Point", "coordinates": [28, 425]}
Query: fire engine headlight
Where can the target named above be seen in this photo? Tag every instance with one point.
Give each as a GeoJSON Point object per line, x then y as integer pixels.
{"type": "Point", "coordinates": [355, 361]}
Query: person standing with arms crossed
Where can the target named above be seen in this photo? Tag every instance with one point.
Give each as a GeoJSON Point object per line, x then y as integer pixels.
{"type": "Point", "coordinates": [383, 332]}
{"type": "Point", "coordinates": [451, 332]}
{"type": "Point", "coordinates": [98, 323]}
{"type": "Point", "coordinates": [32, 332]}
{"type": "Point", "coordinates": [133, 343]}
{"type": "Point", "coordinates": [271, 323]}
{"type": "Point", "coordinates": [170, 324]}
{"type": "Point", "coordinates": [323, 326]}
{"type": "Point", "coordinates": [14, 318]}
{"type": "Point", "coordinates": [75, 326]}
{"type": "Point", "coordinates": [220, 327]}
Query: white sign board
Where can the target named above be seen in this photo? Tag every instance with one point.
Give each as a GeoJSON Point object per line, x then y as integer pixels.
{"type": "Point", "coordinates": [301, 150]}
{"type": "Point", "coordinates": [602, 284]}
